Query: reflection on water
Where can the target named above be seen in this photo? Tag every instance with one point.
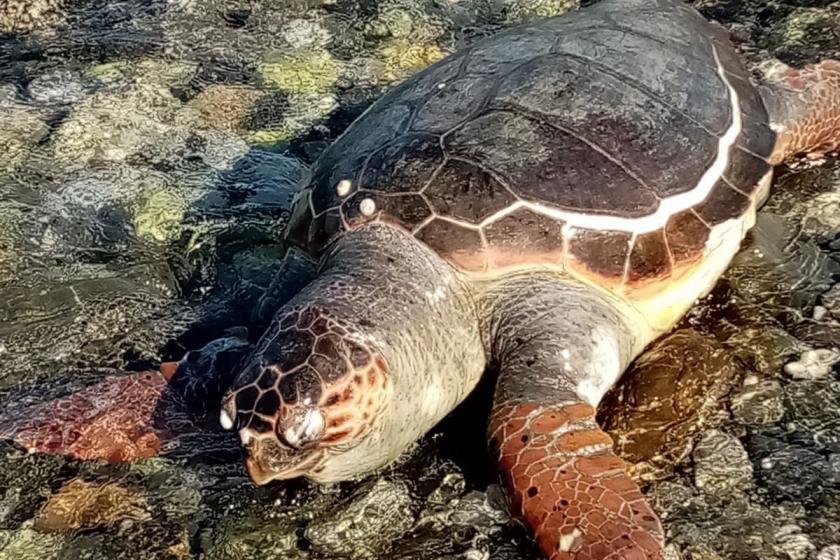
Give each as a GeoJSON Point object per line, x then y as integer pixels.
{"type": "Point", "coordinates": [148, 153]}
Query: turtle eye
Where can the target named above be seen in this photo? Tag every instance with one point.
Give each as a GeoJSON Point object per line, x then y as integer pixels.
{"type": "Point", "coordinates": [304, 428]}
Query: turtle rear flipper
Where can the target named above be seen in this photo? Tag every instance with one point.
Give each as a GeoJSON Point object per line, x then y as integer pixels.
{"type": "Point", "coordinates": [559, 345]}
{"type": "Point", "coordinates": [804, 107]}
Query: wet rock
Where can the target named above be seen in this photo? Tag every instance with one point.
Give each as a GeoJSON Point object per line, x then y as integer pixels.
{"type": "Point", "coordinates": [529, 10]}
{"type": "Point", "coordinates": [791, 472]}
{"type": "Point", "coordinates": [767, 273]}
{"type": "Point", "coordinates": [831, 301]}
{"type": "Point", "coordinates": [760, 402]}
{"type": "Point", "coordinates": [60, 87]}
{"type": "Point", "coordinates": [80, 504]}
{"type": "Point", "coordinates": [814, 409]}
{"type": "Point", "coordinates": [791, 542]}
{"type": "Point", "coordinates": [158, 215]}
{"type": "Point", "coordinates": [21, 128]}
{"type": "Point", "coordinates": [813, 364]}
{"type": "Point", "coordinates": [302, 34]}
{"type": "Point", "coordinates": [20, 16]}
{"type": "Point", "coordinates": [834, 465]}
{"type": "Point", "coordinates": [303, 110]}
{"type": "Point", "coordinates": [364, 526]}
{"type": "Point", "coordinates": [829, 553]}
{"type": "Point", "coordinates": [112, 126]}
{"type": "Point", "coordinates": [312, 71]}
{"type": "Point", "coordinates": [765, 348]}
{"type": "Point", "coordinates": [807, 33]}
{"type": "Point", "coordinates": [670, 396]}
{"type": "Point", "coordinates": [226, 107]}
{"type": "Point", "coordinates": [721, 464]}
{"type": "Point", "coordinates": [25, 481]}
{"type": "Point", "coordinates": [400, 58]}
{"type": "Point", "coordinates": [29, 544]}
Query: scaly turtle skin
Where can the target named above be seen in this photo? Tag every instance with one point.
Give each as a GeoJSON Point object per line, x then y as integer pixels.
{"type": "Point", "coordinates": [546, 202]}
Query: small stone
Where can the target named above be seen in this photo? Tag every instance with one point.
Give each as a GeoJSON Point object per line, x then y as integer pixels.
{"type": "Point", "coordinates": [61, 87]}
{"type": "Point", "coordinates": [834, 465]}
{"type": "Point", "coordinates": [225, 107]}
{"type": "Point", "coordinates": [86, 505]}
{"type": "Point", "coordinates": [829, 553]}
{"type": "Point", "coordinates": [759, 403]}
{"type": "Point", "coordinates": [813, 364]}
{"type": "Point", "coordinates": [302, 34]}
{"type": "Point", "coordinates": [791, 542]}
{"type": "Point", "coordinates": [721, 464]}
{"type": "Point", "coordinates": [366, 525]}
{"type": "Point", "coordinates": [819, 312]}
{"type": "Point", "coordinates": [831, 301]}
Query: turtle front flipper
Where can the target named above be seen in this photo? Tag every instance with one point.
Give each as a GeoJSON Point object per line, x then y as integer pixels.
{"type": "Point", "coordinates": [804, 108]}
{"type": "Point", "coordinates": [129, 416]}
{"type": "Point", "coordinates": [559, 346]}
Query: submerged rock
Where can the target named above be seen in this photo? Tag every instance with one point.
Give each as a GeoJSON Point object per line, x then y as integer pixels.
{"type": "Point", "coordinates": [312, 71]}
{"type": "Point", "coordinates": [721, 464]}
{"type": "Point", "coordinates": [364, 526]}
{"type": "Point", "coordinates": [759, 402]}
{"type": "Point", "coordinates": [29, 544]}
{"type": "Point", "coordinates": [87, 505]}
{"type": "Point", "coordinates": [669, 397]}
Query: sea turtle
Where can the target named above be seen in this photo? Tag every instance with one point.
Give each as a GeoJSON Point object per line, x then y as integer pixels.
{"type": "Point", "coordinates": [543, 205]}
{"type": "Point", "coordinates": [539, 206]}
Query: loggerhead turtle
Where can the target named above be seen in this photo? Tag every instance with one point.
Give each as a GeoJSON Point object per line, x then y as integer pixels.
{"type": "Point", "coordinates": [542, 204]}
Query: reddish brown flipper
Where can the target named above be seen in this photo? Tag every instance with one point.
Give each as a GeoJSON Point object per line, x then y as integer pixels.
{"type": "Point", "coordinates": [804, 104]}
{"type": "Point", "coordinates": [566, 484]}
{"type": "Point", "coordinates": [112, 420]}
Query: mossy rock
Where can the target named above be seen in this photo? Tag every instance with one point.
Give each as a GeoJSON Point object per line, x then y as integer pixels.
{"type": "Point", "coordinates": [399, 58]}
{"type": "Point", "coordinates": [158, 215]}
{"type": "Point", "coordinates": [305, 72]}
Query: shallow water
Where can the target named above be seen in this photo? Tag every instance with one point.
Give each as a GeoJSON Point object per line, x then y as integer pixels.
{"type": "Point", "coordinates": [148, 154]}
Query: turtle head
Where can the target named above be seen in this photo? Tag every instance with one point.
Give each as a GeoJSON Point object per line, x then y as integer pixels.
{"type": "Point", "coordinates": [313, 390]}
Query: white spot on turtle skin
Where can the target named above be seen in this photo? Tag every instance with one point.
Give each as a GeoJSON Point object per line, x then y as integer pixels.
{"type": "Point", "coordinates": [437, 295]}
{"type": "Point", "coordinates": [565, 353]}
{"type": "Point", "coordinates": [367, 207]}
{"type": "Point", "coordinates": [343, 187]}
{"type": "Point", "coordinates": [570, 541]}
{"type": "Point", "coordinates": [604, 367]}
{"type": "Point", "coordinates": [225, 420]}
{"type": "Point", "coordinates": [245, 436]}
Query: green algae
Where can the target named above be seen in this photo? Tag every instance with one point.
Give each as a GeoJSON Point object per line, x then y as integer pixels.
{"type": "Point", "coordinates": [305, 72]}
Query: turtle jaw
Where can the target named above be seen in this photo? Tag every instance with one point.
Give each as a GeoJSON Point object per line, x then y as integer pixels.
{"type": "Point", "coordinates": [267, 460]}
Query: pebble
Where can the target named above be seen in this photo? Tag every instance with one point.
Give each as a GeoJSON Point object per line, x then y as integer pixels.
{"type": "Point", "coordinates": [829, 553]}
{"type": "Point", "coordinates": [813, 364]}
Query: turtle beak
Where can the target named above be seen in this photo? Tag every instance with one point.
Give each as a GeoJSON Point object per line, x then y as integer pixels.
{"type": "Point", "coordinates": [267, 460]}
